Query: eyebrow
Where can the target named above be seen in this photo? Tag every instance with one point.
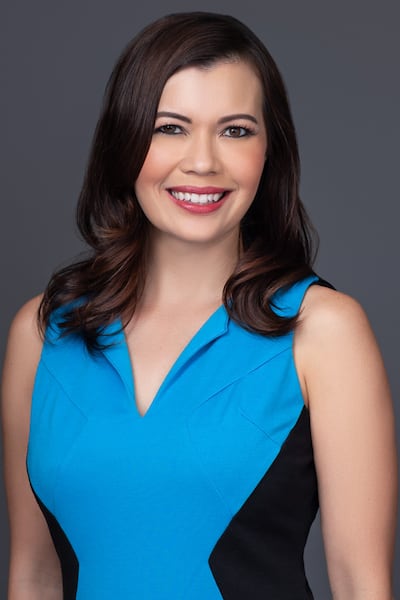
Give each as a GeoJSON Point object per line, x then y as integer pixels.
{"type": "Point", "coordinates": [226, 119]}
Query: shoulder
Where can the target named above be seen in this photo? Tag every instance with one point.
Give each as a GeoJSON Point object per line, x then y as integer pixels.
{"type": "Point", "coordinates": [24, 327]}
{"type": "Point", "coordinates": [24, 345]}
{"type": "Point", "coordinates": [334, 342]}
{"type": "Point", "coordinates": [328, 313]}
{"type": "Point", "coordinates": [353, 435]}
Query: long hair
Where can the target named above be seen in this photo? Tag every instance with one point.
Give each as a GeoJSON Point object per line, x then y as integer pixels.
{"type": "Point", "coordinates": [275, 232]}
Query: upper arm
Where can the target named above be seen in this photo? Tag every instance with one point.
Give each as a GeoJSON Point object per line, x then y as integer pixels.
{"type": "Point", "coordinates": [354, 442]}
{"type": "Point", "coordinates": [32, 552]}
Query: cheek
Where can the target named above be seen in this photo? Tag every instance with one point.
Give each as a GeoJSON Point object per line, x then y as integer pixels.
{"type": "Point", "coordinates": [146, 181]}
{"type": "Point", "coordinates": [148, 171]}
{"type": "Point", "coordinates": [250, 167]}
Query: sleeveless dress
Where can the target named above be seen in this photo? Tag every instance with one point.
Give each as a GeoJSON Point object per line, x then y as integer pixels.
{"type": "Point", "coordinates": [209, 495]}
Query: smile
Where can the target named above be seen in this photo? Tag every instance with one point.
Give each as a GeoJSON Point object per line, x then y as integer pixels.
{"type": "Point", "coordinates": [197, 198]}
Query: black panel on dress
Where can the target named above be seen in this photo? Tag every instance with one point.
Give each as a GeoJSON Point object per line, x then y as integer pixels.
{"type": "Point", "coordinates": [260, 554]}
{"type": "Point", "coordinates": [66, 554]}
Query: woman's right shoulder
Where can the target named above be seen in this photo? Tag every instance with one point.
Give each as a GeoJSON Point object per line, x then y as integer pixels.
{"type": "Point", "coordinates": [24, 345]}
{"type": "Point", "coordinates": [24, 326]}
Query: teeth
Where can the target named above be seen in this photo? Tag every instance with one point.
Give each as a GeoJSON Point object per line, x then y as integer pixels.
{"type": "Point", "coordinates": [196, 198]}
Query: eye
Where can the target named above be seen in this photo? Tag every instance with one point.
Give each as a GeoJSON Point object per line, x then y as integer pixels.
{"type": "Point", "coordinates": [237, 131]}
{"type": "Point", "coordinates": [169, 129]}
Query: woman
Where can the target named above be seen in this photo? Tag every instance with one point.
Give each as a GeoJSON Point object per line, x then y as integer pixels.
{"type": "Point", "coordinates": [198, 386]}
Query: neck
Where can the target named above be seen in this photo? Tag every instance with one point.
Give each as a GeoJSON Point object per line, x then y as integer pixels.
{"type": "Point", "coordinates": [181, 273]}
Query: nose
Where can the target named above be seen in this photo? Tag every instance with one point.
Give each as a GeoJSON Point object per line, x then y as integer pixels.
{"type": "Point", "coordinates": [201, 155]}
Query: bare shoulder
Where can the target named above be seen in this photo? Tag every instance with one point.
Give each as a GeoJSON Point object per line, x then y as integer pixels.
{"type": "Point", "coordinates": [352, 425]}
{"type": "Point", "coordinates": [331, 317]}
{"type": "Point", "coordinates": [325, 309]}
{"type": "Point", "coordinates": [34, 566]}
{"type": "Point", "coordinates": [334, 341]}
{"type": "Point", "coordinates": [25, 320]}
{"type": "Point", "coordinates": [24, 345]}
{"type": "Point", "coordinates": [19, 370]}
{"type": "Point", "coordinates": [25, 324]}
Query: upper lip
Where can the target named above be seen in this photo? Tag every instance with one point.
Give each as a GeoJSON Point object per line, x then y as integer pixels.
{"type": "Point", "coordinates": [191, 189]}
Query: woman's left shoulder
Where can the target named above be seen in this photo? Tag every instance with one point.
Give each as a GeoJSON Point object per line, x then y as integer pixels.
{"type": "Point", "coordinates": [335, 348]}
{"type": "Point", "coordinates": [330, 315]}
{"type": "Point", "coordinates": [346, 389]}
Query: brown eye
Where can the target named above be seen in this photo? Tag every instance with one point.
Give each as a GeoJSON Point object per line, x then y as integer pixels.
{"type": "Point", "coordinates": [169, 129]}
{"type": "Point", "coordinates": [236, 131]}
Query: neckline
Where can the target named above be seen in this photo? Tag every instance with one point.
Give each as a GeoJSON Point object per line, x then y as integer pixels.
{"type": "Point", "coordinates": [119, 356]}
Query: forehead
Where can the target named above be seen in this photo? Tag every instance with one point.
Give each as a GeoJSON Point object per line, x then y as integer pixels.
{"type": "Point", "coordinates": [226, 87]}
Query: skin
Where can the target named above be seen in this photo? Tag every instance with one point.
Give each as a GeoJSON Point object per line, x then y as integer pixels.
{"type": "Point", "coordinates": [191, 255]}
{"type": "Point", "coordinates": [34, 572]}
{"type": "Point", "coordinates": [204, 151]}
{"type": "Point", "coordinates": [347, 392]}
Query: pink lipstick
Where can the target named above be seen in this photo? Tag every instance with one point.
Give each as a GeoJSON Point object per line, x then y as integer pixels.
{"type": "Point", "coordinates": [199, 200]}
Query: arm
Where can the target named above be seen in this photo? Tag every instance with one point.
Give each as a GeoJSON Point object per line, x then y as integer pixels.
{"type": "Point", "coordinates": [34, 566]}
{"type": "Point", "coordinates": [354, 443]}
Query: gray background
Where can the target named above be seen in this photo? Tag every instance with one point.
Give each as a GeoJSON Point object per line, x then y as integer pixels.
{"type": "Point", "coordinates": [339, 61]}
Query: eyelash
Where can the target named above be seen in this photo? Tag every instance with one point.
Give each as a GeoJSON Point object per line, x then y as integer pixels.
{"type": "Point", "coordinates": [248, 131]}
{"type": "Point", "coordinates": [170, 125]}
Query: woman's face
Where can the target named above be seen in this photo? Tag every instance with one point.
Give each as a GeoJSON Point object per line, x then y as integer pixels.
{"type": "Point", "coordinates": [207, 153]}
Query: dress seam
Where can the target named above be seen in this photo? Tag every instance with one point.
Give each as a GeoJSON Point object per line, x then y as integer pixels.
{"type": "Point", "coordinates": [60, 465]}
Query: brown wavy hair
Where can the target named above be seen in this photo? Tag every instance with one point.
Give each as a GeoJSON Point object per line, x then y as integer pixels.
{"type": "Point", "coordinates": [277, 236]}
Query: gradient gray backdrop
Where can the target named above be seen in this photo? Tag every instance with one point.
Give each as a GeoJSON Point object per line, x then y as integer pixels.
{"type": "Point", "coordinates": [339, 60]}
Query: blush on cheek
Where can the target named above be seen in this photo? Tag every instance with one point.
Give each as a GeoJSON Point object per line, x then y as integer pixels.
{"type": "Point", "coordinates": [251, 169]}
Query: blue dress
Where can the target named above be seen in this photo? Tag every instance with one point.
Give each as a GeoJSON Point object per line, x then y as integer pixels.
{"type": "Point", "coordinates": [209, 495]}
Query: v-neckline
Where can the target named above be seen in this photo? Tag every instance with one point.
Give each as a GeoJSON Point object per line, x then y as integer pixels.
{"type": "Point", "coordinates": [120, 357]}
